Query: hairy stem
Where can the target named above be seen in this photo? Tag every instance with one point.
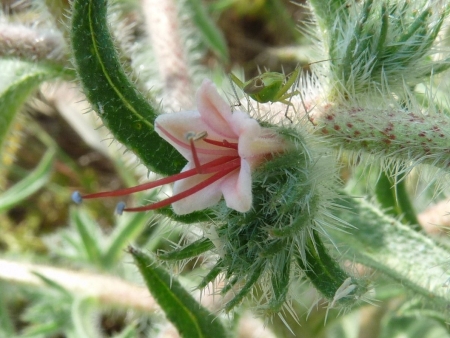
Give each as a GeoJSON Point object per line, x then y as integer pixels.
{"type": "Point", "coordinates": [400, 134]}
{"type": "Point", "coordinates": [162, 26]}
{"type": "Point", "coordinates": [32, 44]}
{"type": "Point", "coordinates": [108, 289]}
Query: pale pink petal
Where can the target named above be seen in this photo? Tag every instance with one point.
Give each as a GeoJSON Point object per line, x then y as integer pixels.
{"type": "Point", "coordinates": [237, 188]}
{"type": "Point", "coordinates": [174, 128]}
{"type": "Point", "coordinates": [248, 130]}
{"type": "Point", "coordinates": [254, 140]}
{"type": "Point", "coordinates": [202, 199]}
{"type": "Point", "coordinates": [214, 110]}
{"type": "Point", "coordinates": [215, 119]}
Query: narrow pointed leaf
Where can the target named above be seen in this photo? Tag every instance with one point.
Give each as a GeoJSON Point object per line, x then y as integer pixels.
{"type": "Point", "coordinates": [29, 185]}
{"type": "Point", "coordinates": [84, 224]}
{"type": "Point", "coordinates": [18, 79]}
{"type": "Point", "coordinates": [126, 231]}
{"type": "Point", "coordinates": [6, 322]}
{"type": "Point", "coordinates": [325, 273]}
{"type": "Point", "coordinates": [188, 316]}
{"type": "Point", "coordinates": [194, 249]}
{"type": "Point", "coordinates": [125, 111]}
{"type": "Point", "coordinates": [83, 315]}
{"type": "Point", "coordinates": [383, 243]}
{"type": "Point", "coordinates": [211, 33]}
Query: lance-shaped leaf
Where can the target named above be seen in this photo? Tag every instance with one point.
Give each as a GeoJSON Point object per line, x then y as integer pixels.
{"type": "Point", "coordinates": [125, 111]}
{"type": "Point", "coordinates": [189, 251]}
{"type": "Point", "coordinates": [383, 243]}
{"type": "Point", "coordinates": [18, 79]}
{"type": "Point", "coordinates": [327, 276]}
{"type": "Point", "coordinates": [29, 185]}
{"type": "Point", "coordinates": [211, 34]}
{"type": "Point", "coordinates": [189, 317]}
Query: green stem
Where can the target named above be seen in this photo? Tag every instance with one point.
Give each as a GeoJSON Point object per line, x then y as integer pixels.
{"type": "Point", "coordinates": [390, 133]}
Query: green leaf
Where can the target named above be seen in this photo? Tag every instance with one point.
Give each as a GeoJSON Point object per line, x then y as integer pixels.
{"type": "Point", "coordinates": [326, 12]}
{"type": "Point", "coordinates": [128, 332]}
{"type": "Point", "coordinates": [326, 275]}
{"type": "Point", "coordinates": [18, 79]}
{"type": "Point", "coordinates": [41, 330]}
{"type": "Point", "coordinates": [193, 217]}
{"type": "Point", "coordinates": [6, 323]}
{"type": "Point", "coordinates": [412, 327]}
{"type": "Point", "coordinates": [383, 243]}
{"type": "Point", "coordinates": [244, 290]}
{"type": "Point", "coordinates": [123, 110]}
{"type": "Point", "coordinates": [194, 249]}
{"type": "Point", "coordinates": [84, 224]}
{"type": "Point", "coordinates": [29, 185]}
{"type": "Point", "coordinates": [393, 196]}
{"type": "Point", "coordinates": [211, 34]}
{"type": "Point", "coordinates": [129, 227]}
{"type": "Point", "coordinates": [188, 316]}
{"type": "Point", "coordinates": [386, 194]}
{"type": "Point", "coordinates": [82, 315]}
{"type": "Point", "coordinates": [54, 285]}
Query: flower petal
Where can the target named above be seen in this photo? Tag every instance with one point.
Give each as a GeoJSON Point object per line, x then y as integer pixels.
{"type": "Point", "coordinates": [237, 188]}
{"type": "Point", "coordinates": [215, 112]}
{"type": "Point", "coordinates": [202, 199]}
{"type": "Point", "coordinates": [174, 128]}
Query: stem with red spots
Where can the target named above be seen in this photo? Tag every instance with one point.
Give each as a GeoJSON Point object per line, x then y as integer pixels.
{"type": "Point", "coordinates": [402, 134]}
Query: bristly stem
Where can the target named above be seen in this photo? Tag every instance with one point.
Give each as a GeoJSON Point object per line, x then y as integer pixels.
{"type": "Point", "coordinates": [408, 136]}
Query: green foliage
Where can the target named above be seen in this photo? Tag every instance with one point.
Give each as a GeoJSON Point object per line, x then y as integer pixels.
{"type": "Point", "coordinates": [29, 185]}
{"type": "Point", "coordinates": [211, 34]}
{"type": "Point", "coordinates": [392, 191]}
{"type": "Point", "coordinates": [380, 45]}
{"type": "Point", "coordinates": [279, 236]}
{"type": "Point", "coordinates": [103, 251]}
{"type": "Point", "coordinates": [388, 246]}
{"type": "Point", "coordinates": [18, 80]}
{"type": "Point", "coordinates": [112, 94]}
{"type": "Point", "coordinates": [194, 249]}
{"type": "Point", "coordinates": [299, 235]}
{"type": "Point", "coordinates": [190, 318]}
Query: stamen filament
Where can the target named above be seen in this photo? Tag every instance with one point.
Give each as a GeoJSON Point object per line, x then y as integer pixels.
{"type": "Point", "coordinates": [195, 156]}
{"type": "Point", "coordinates": [216, 165]}
{"type": "Point", "coordinates": [217, 176]}
{"type": "Point", "coordinates": [224, 143]}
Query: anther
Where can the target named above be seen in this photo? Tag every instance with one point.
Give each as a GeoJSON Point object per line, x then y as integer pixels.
{"type": "Point", "coordinates": [76, 197]}
{"type": "Point", "coordinates": [120, 207]}
{"type": "Point", "coordinates": [196, 136]}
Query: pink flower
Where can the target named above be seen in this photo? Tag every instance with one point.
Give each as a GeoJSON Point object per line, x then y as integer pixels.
{"type": "Point", "coordinates": [221, 147]}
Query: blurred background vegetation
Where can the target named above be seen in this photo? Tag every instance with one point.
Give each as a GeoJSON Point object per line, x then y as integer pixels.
{"type": "Point", "coordinates": [92, 288]}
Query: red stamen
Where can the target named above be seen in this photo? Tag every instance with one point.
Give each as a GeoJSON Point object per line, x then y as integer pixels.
{"type": "Point", "coordinates": [217, 176]}
{"type": "Point", "coordinates": [194, 155]}
{"type": "Point", "coordinates": [216, 165]}
{"type": "Point", "coordinates": [224, 143]}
